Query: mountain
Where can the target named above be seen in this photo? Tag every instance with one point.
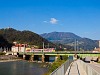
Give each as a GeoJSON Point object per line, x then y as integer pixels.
{"type": "Point", "coordinates": [4, 43]}
{"type": "Point", "coordinates": [60, 37]}
{"type": "Point", "coordinates": [68, 39]}
{"type": "Point", "coordinates": [26, 37]}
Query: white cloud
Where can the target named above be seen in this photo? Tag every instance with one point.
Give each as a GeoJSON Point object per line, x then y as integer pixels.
{"type": "Point", "coordinates": [53, 21]}
{"type": "Point", "coordinates": [45, 21]}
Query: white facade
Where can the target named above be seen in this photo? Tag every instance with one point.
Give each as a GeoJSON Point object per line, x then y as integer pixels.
{"type": "Point", "coordinates": [18, 49]}
{"type": "Point", "coordinates": [99, 44]}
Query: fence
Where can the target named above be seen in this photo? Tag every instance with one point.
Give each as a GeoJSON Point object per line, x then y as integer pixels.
{"type": "Point", "coordinates": [89, 70]}
{"type": "Point", "coordinates": [62, 69]}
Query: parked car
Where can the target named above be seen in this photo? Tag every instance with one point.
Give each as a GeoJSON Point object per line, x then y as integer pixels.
{"type": "Point", "coordinates": [88, 59]}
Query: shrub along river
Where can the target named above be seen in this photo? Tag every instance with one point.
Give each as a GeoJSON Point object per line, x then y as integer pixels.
{"type": "Point", "coordinates": [22, 68]}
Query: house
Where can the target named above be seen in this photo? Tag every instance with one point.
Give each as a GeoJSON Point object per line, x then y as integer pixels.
{"type": "Point", "coordinates": [96, 50]}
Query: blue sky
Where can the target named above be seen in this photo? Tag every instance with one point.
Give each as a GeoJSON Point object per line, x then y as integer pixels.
{"type": "Point", "coordinates": [81, 17]}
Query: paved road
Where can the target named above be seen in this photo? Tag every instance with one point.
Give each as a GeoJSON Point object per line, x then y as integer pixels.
{"type": "Point", "coordinates": [95, 66]}
{"type": "Point", "coordinates": [76, 69]}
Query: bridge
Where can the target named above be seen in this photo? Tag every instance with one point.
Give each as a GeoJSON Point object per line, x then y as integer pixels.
{"type": "Point", "coordinates": [47, 55]}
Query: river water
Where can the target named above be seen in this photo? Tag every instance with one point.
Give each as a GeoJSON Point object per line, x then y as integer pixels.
{"type": "Point", "coordinates": [21, 68]}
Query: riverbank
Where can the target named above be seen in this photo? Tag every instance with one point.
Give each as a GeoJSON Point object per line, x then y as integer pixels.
{"type": "Point", "coordinates": [10, 60]}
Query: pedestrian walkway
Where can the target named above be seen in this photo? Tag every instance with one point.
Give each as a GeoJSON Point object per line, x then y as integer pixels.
{"type": "Point", "coordinates": [75, 69]}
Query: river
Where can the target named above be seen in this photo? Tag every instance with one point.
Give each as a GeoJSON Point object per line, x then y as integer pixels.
{"type": "Point", "coordinates": [21, 68]}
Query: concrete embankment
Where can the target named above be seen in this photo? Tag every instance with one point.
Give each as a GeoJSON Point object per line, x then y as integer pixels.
{"type": "Point", "coordinates": [7, 58]}
{"type": "Point", "coordinates": [10, 60]}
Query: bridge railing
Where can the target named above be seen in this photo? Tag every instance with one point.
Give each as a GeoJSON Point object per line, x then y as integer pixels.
{"type": "Point", "coordinates": [89, 70]}
{"type": "Point", "coordinates": [62, 69]}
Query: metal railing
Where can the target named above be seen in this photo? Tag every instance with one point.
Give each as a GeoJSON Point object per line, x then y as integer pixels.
{"type": "Point", "coordinates": [62, 69]}
{"type": "Point", "coordinates": [89, 70]}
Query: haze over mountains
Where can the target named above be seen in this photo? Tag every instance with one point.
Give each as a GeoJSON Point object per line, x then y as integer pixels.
{"type": "Point", "coordinates": [68, 39]}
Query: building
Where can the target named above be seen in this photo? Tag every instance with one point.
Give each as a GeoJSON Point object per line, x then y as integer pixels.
{"type": "Point", "coordinates": [19, 48]}
{"type": "Point", "coordinates": [96, 50]}
{"type": "Point", "coordinates": [99, 43]}
{"type": "Point", "coordinates": [24, 48]}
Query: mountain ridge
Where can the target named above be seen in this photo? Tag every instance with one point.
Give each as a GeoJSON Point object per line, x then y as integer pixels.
{"type": "Point", "coordinates": [25, 36]}
{"type": "Point", "coordinates": [68, 38]}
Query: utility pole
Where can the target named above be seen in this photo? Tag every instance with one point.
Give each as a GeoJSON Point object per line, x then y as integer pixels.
{"type": "Point", "coordinates": [48, 45]}
{"type": "Point", "coordinates": [75, 45]}
{"type": "Point", "coordinates": [43, 46]}
{"type": "Point", "coordinates": [43, 56]}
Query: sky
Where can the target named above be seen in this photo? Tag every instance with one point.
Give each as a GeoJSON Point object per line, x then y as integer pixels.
{"type": "Point", "coordinates": [81, 17]}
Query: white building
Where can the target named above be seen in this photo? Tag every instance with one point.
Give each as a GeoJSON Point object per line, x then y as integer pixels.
{"type": "Point", "coordinates": [18, 48]}
{"type": "Point", "coordinates": [99, 43]}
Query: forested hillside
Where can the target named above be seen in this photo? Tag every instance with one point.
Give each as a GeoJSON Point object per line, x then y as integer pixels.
{"type": "Point", "coordinates": [4, 43]}
{"type": "Point", "coordinates": [26, 37]}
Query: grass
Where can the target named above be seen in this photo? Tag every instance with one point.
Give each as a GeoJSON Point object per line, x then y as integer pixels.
{"type": "Point", "coordinates": [98, 62]}
{"type": "Point", "coordinates": [56, 64]}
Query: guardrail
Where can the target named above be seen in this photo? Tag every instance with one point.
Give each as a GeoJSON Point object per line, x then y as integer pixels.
{"type": "Point", "coordinates": [62, 69]}
{"type": "Point", "coordinates": [89, 70]}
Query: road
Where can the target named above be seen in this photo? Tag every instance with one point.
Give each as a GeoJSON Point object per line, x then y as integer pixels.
{"type": "Point", "coordinates": [95, 66]}
{"type": "Point", "coordinates": [76, 69]}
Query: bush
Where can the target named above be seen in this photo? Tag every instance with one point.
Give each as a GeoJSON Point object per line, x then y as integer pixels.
{"type": "Point", "coordinates": [98, 62]}
{"type": "Point", "coordinates": [65, 57]}
{"type": "Point", "coordinates": [57, 64]}
{"type": "Point", "coordinates": [1, 53]}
